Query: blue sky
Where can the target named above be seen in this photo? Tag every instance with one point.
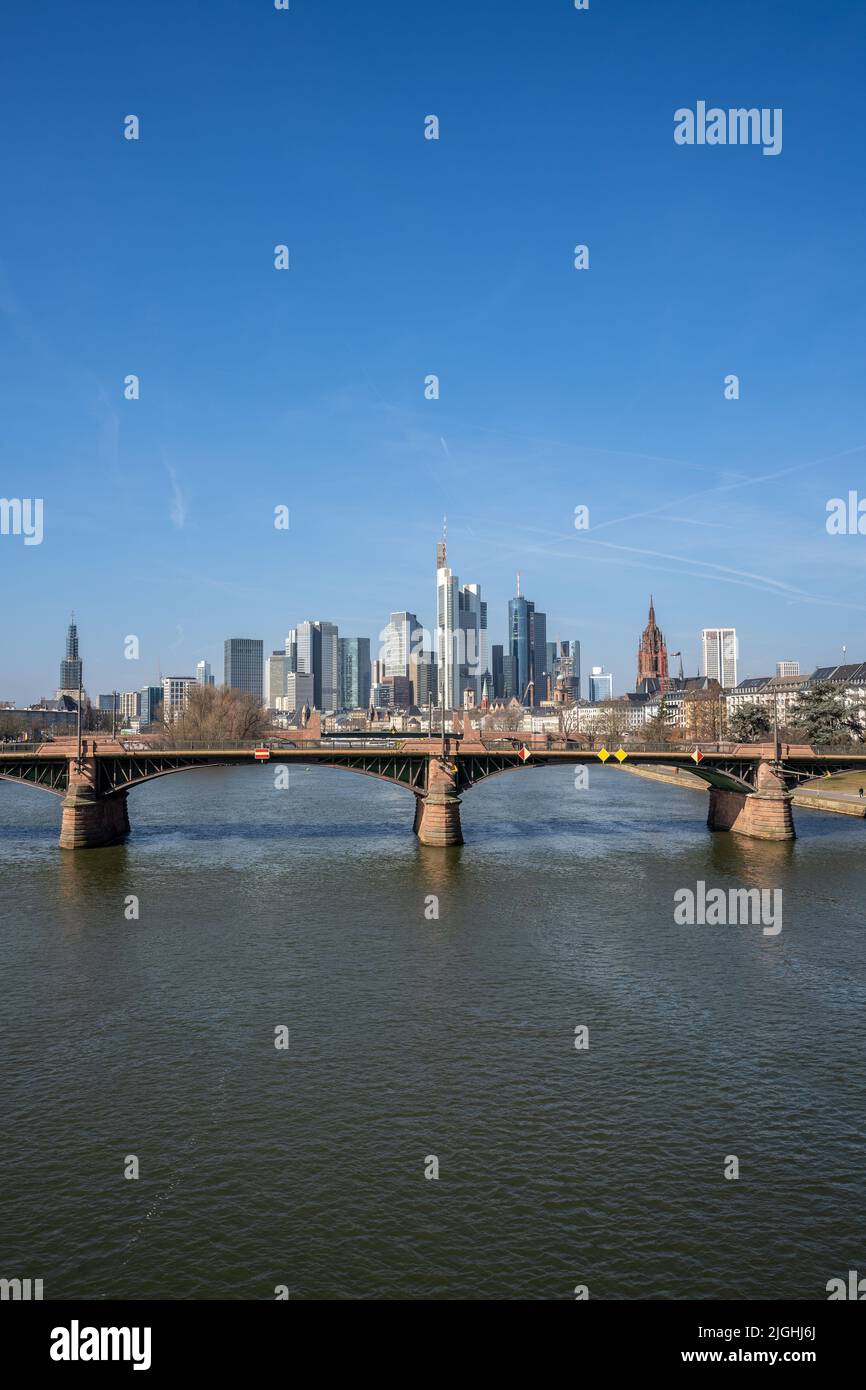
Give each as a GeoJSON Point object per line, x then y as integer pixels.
{"type": "Point", "coordinates": [558, 387]}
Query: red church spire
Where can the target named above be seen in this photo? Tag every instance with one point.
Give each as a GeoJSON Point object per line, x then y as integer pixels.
{"type": "Point", "coordinates": [652, 654]}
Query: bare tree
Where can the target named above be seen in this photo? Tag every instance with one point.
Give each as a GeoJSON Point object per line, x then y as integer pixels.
{"type": "Point", "coordinates": [217, 714]}
{"type": "Point", "coordinates": [570, 719]}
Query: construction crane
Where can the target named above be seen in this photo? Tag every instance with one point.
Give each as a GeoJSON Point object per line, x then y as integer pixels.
{"type": "Point", "coordinates": [530, 685]}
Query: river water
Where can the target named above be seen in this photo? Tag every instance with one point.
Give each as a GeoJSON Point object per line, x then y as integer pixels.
{"type": "Point", "coordinates": [413, 1038]}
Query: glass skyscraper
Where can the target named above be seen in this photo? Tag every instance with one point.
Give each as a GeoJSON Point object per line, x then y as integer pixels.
{"type": "Point", "coordinates": [151, 701]}
{"type": "Point", "coordinates": [316, 651]}
{"type": "Point", "coordinates": [461, 635]}
{"type": "Point", "coordinates": [354, 662]}
{"type": "Point", "coordinates": [527, 645]}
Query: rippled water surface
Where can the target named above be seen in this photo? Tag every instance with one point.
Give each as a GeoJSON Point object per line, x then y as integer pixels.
{"type": "Point", "coordinates": [412, 1037]}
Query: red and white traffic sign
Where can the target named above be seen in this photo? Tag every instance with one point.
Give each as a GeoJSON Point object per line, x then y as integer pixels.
{"type": "Point", "coordinates": [261, 755]}
{"type": "Point", "coordinates": [698, 755]}
{"type": "Point", "coordinates": [523, 753]}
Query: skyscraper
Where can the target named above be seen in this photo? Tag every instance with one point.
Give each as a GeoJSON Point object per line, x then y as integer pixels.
{"type": "Point", "coordinates": [277, 669]}
{"type": "Point", "coordinates": [203, 673]}
{"type": "Point", "coordinates": [244, 665]}
{"type": "Point", "coordinates": [527, 641]}
{"type": "Point", "coordinates": [473, 626]}
{"type": "Point", "coordinates": [652, 654]}
{"type": "Point", "coordinates": [509, 683]}
{"type": "Point", "coordinates": [447, 629]}
{"type": "Point", "coordinates": [566, 672]}
{"type": "Point", "coordinates": [299, 692]}
{"type": "Point", "coordinates": [496, 655]}
{"type": "Point", "coordinates": [330, 665]}
{"type": "Point", "coordinates": [399, 636]}
{"type": "Point", "coordinates": [70, 666]}
{"type": "Point", "coordinates": [461, 634]}
{"type": "Point", "coordinates": [600, 684]}
{"type": "Point", "coordinates": [719, 655]}
{"type": "Point", "coordinates": [151, 704]}
{"type": "Point", "coordinates": [403, 654]}
{"type": "Point", "coordinates": [353, 654]}
{"type": "Point", "coordinates": [317, 656]}
{"type": "Point", "coordinates": [539, 656]}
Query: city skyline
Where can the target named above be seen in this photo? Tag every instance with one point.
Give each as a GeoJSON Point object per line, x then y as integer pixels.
{"type": "Point", "coordinates": [403, 648]}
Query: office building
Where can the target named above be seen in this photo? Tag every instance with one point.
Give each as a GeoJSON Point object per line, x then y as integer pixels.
{"type": "Point", "coordinates": [353, 659]}
{"type": "Point", "coordinates": [787, 668]}
{"type": "Point", "coordinates": [300, 692]}
{"type": "Point", "coordinates": [527, 637]}
{"type": "Point", "coordinates": [399, 637]}
{"type": "Point", "coordinates": [473, 629]}
{"type": "Point", "coordinates": [317, 655]}
{"type": "Point", "coordinates": [244, 665]}
{"type": "Point", "coordinates": [719, 655]}
{"type": "Point", "coordinates": [447, 629]}
{"type": "Point", "coordinates": [461, 634]}
{"type": "Point", "coordinates": [600, 684]}
{"type": "Point", "coordinates": [150, 709]}
{"type": "Point", "coordinates": [568, 668]}
{"type": "Point", "coordinates": [422, 675]}
{"type": "Point", "coordinates": [130, 704]}
{"type": "Point", "coordinates": [539, 657]}
{"type": "Point", "coordinates": [276, 671]}
{"type": "Point", "coordinates": [400, 688]}
{"type": "Point", "coordinates": [497, 674]}
{"type": "Point", "coordinates": [175, 692]}
{"type": "Point", "coordinates": [509, 682]}
{"type": "Point", "coordinates": [203, 673]}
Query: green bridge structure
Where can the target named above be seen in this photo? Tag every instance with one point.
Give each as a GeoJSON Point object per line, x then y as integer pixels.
{"type": "Point", "coordinates": [750, 791]}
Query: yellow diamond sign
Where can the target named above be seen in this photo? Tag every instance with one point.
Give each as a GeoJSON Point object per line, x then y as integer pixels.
{"type": "Point", "coordinates": [620, 754]}
{"type": "Point", "coordinates": [604, 755]}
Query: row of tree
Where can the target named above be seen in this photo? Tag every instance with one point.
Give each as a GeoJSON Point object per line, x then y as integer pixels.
{"type": "Point", "coordinates": [820, 715]}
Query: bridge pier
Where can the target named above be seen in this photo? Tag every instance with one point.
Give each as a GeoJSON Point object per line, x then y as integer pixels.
{"type": "Point", "coordinates": [437, 812]}
{"type": "Point", "coordinates": [91, 821]}
{"type": "Point", "coordinates": [764, 814]}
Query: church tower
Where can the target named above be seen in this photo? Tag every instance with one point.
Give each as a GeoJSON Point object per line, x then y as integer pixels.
{"type": "Point", "coordinates": [652, 654]}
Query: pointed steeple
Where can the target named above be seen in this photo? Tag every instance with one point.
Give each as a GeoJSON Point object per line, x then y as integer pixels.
{"type": "Point", "coordinates": [652, 656]}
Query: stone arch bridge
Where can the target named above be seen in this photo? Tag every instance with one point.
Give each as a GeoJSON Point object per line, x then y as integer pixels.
{"type": "Point", "coordinates": [750, 792]}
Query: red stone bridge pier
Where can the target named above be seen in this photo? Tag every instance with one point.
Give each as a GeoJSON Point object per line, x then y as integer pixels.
{"type": "Point", "coordinates": [764, 814]}
{"type": "Point", "coordinates": [437, 811]}
{"type": "Point", "coordinates": [91, 821]}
